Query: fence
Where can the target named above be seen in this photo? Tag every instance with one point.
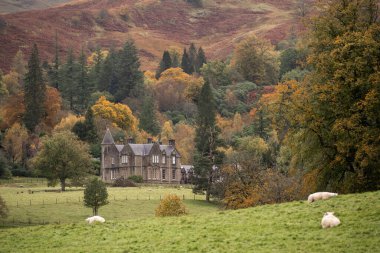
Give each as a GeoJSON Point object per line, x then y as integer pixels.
{"type": "Point", "coordinates": [23, 180]}
{"type": "Point", "coordinates": [56, 201]}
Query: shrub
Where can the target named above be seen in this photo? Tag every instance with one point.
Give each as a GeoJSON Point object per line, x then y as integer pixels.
{"type": "Point", "coordinates": [3, 208]}
{"type": "Point", "coordinates": [136, 179]}
{"type": "Point", "coordinates": [171, 205]}
{"type": "Point", "coordinates": [122, 182]}
{"type": "Point", "coordinates": [95, 195]}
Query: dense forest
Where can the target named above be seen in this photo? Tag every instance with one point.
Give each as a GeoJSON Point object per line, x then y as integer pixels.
{"type": "Point", "coordinates": [267, 124]}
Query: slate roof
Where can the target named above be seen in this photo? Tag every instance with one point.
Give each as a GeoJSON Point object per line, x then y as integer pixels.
{"type": "Point", "coordinates": [141, 149]}
{"type": "Point", "coordinates": [108, 139]}
{"type": "Point", "coordinates": [119, 147]}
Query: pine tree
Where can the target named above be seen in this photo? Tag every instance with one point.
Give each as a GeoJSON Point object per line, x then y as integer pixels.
{"type": "Point", "coordinates": [108, 79]}
{"type": "Point", "coordinates": [95, 71]}
{"type": "Point", "coordinates": [54, 75]}
{"type": "Point", "coordinates": [129, 75]}
{"type": "Point", "coordinates": [206, 158]}
{"type": "Point", "coordinates": [185, 63]}
{"type": "Point", "coordinates": [148, 120]}
{"type": "Point", "coordinates": [86, 130]}
{"type": "Point", "coordinates": [201, 59]}
{"type": "Point", "coordinates": [192, 57]}
{"type": "Point", "coordinates": [165, 64]}
{"type": "Point", "coordinates": [34, 92]}
{"type": "Point", "coordinates": [84, 88]}
{"type": "Point", "coordinates": [69, 80]}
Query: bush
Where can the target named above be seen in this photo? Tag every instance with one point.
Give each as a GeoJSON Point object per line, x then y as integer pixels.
{"type": "Point", "coordinates": [122, 182]}
{"type": "Point", "coordinates": [19, 171]}
{"type": "Point", "coordinates": [3, 209]}
{"type": "Point", "coordinates": [171, 205]}
{"type": "Point", "coordinates": [136, 179]}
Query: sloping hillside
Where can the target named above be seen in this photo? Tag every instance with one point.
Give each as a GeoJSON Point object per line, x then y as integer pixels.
{"type": "Point", "coordinates": [9, 6]}
{"type": "Point", "coordinates": [289, 227]}
{"type": "Point", "coordinates": [154, 25]}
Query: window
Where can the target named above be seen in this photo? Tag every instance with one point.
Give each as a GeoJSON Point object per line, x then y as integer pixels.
{"type": "Point", "coordinates": [112, 160]}
{"type": "Point", "coordinates": [124, 159]}
{"type": "Point", "coordinates": [173, 160]}
{"type": "Point", "coordinates": [155, 159]}
{"type": "Point", "coordinates": [173, 174]}
{"type": "Point", "coordinates": [163, 174]}
{"type": "Point", "coordinates": [113, 173]}
{"type": "Point", "coordinates": [163, 159]}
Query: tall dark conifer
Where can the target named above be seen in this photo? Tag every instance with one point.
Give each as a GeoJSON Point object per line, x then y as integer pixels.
{"type": "Point", "coordinates": [128, 71]}
{"type": "Point", "coordinates": [206, 158]}
{"type": "Point", "coordinates": [108, 79]}
{"type": "Point", "coordinates": [84, 87]}
{"type": "Point", "coordinates": [165, 63]}
{"type": "Point", "coordinates": [148, 119]}
{"type": "Point", "coordinates": [201, 59]}
{"type": "Point", "coordinates": [69, 80]}
{"type": "Point", "coordinates": [55, 70]}
{"type": "Point", "coordinates": [34, 92]}
{"type": "Point", "coordinates": [185, 63]}
{"type": "Point", "coordinates": [192, 57]}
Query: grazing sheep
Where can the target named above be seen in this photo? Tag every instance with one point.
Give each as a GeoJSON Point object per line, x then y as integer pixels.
{"type": "Point", "coordinates": [329, 220]}
{"type": "Point", "coordinates": [93, 219]}
{"type": "Point", "coordinates": [320, 195]}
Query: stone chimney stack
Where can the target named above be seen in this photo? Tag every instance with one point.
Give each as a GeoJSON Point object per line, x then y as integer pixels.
{"type": "Point", "coordinates": [149, 140]}
{"type": "Point", "coordinates": [130, 140]}
{"type": "Point", "coordinates": [172, 142]}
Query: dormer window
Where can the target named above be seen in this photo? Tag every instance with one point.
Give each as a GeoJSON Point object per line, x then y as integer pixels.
{"type": "Point", "coordinates": [124, 159]}
{"type": "Point", "coordinates": [163, 158]}
{"type": "Point", "coordinates": [155, 159]}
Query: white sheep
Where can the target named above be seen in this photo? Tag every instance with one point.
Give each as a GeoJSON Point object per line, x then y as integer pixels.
{"type": "Point", "coordinates": [320, 195]}
{"type": "Point", "coordinates": [93, 219]}
{"type": "Point", "coordinates": [329, 220]}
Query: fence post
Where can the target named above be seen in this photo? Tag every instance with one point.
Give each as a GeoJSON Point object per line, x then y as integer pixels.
{"type": "Point", "coordinates": [149, 197]}
{"type": "Point", "coordinates": [137, 197]}
{"type": "Point", "coordinates": [30, 202]}
{"type": "Point", "coordinates": [183, 196]}
{"type": "Point", "coordinates": [126, 197]}
{"type": "Point", "coordinates": [114, 197]}
{"type": "Point", "coordinates": [43, 202]}
{"type": "Point", "coordinates": [160, 196]}
{"type": "Point", "coordinates": [56, 200]}
{"type": "Point", "coordinates": [17, 203]}
{"type": "Point", "coordinates": [194, 196]}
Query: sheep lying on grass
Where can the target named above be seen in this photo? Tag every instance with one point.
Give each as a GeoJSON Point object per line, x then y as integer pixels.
{"type": "Point", "coordinates": [93, 219]}
{"type": "Point", "coordinates": [320, 195]}
{"type": "Point", "coordinates": [329, 220]}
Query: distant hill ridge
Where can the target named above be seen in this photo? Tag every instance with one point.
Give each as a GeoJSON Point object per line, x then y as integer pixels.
{"type": "Point", "coordinates": [154, 25]}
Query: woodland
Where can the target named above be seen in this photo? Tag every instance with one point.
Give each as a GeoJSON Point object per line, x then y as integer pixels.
{"type": "Point", "coordinates": [268, 124]}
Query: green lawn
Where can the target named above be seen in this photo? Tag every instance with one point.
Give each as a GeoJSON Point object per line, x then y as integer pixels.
{"type": "Point", "coordinates": [42, 207]}
{"type": "Point", "coordinates": [289, 227]}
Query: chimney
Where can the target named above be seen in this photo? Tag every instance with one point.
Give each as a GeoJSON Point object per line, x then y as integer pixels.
{"type": "Point", "coordinates": [172, 142]}
{"type": "Point", "coordinates": [149, 140]}
{"type": "Point", "coordinates": [131, 140]}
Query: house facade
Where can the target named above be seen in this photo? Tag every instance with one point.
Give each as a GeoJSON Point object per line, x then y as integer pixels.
{"type": "Point", "coordinates": [154, 162]}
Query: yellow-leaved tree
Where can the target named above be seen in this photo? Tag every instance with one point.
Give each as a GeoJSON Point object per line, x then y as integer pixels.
{"type": "Point", "coordinates": [119, 114]}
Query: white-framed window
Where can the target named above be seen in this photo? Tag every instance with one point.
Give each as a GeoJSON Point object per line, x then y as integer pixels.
{"type": "Point", "coordinates": [173, 174]}
{"type": "Point", "coordinates": [124, 159]}
{"type": "Point", "coordinates": [163, 174]}
{"type": "Point", "coordinates": [173, 159]}
{"type": "Point", "coordinates": [113, 174]}
{"type": "Point", "coordinates": [112, 160]}
{"type": "Point", "coordinates": [156, 159]}
{"type": "Point", "coordinates": [163, 159]}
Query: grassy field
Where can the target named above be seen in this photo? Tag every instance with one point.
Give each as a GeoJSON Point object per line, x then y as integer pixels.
{"type": "Point", "coordinates": [28, 202]}
{"type": "Point", "coordinates": [289, 227]}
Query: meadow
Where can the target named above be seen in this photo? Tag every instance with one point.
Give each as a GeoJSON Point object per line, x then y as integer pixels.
{"type": "Point", "coordinates": [30, 201]}
{"type": "Point", "coordinates": [288, 227]}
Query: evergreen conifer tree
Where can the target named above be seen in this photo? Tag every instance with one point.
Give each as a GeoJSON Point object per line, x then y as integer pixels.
{"type": "Point", "coordinates": [86, 130]}
{"type": "Point", "coordinates": [165, 64]}
{"type": "Point", "coordinates": [201, 59]}
{"type": "Point", "coordinates": [108, 79]}
{"type": "Point", "coordinates": [34, 92]}
{"type": "Point", "coordinates": [129, 75]}
{"type": "Point", "coordinates": [54, 75]}
{"type": "Point", "coordinates": [84, 88]}
{"type": "Point", "coordinates": [69, 80]}
{"type": "Point", "coordinates": [185, 63]}
{"type": "Point", "coordinates": [148, 120]}
{"type": "Point", "coordinates": [206, 158]}
{"type": "Point", "coordinates": [192, 57]}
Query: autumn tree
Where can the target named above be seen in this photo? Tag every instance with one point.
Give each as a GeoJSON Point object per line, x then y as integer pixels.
{"type": "Point", "coordinates": [95, 195]}
{"type": "Point", "coordinates": [167, 132]}
{"type": "Point", "coordinates": [34, 92]}
{"type": "Point", "coordinates": [119, 114]}
{"type": "Point", "coordinates": [184, 135]}
{"type": "Point", "coordinates": [63, 157]}
{"type": "Point", "coordinates": [15, 142]}
{"type": "Point", "coordinates": [256, 60]}
{"type": "Point", "coordinates": [3, 89]}
{"type": "Point", "coordinates": [206, 157]}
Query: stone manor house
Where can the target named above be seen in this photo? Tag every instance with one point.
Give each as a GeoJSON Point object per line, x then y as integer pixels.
{"type": "Point", "coordinates": [156, 163]}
